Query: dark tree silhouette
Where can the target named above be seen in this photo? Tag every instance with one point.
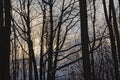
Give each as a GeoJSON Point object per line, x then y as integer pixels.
{"type": "Point", "coordinates": [85, 40]}
{"type": "Point", "coordinates": [5, 30]}
{"type": "Point", "coordinates": [112, 39]}
{"type": "Point", "coordinates": [59, 40]}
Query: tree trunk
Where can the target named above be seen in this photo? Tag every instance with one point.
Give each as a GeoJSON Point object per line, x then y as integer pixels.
{"type": "Point", "coordinates": [112, 40]}
{"type": "Point", "coordinates": [50, 50]}
{"type": "Point", "coordinates": [85, 40]}
{"type": "Point", "coordinates": [115, 26]}
{"type": "Point", "coordinates": [5, 39]}
{"type": "Point", "coordinates": [30, 47]}
{"type": "Point", "coordinates": [1, 38]}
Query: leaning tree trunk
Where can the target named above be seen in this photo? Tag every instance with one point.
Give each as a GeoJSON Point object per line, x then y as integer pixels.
{"type": "Point", "coordinates": [112, 39]}
{"type": "Point", "coordinates": [115, 26]}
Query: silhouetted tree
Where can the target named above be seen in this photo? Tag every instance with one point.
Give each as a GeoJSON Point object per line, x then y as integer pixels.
{"type": "Point", "coordinates": [112, 39]}
{"type": "Point", "coordinates": [85, 40]}
{"type": "Point", "coordinates": [5, 30]}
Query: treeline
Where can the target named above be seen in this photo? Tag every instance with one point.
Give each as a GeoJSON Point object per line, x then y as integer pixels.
{"type": "Point", "coordinates": [59, 40]}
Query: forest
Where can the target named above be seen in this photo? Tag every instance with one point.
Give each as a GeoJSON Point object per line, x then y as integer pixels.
{"type": "Point", "coordinates": [59, 39]}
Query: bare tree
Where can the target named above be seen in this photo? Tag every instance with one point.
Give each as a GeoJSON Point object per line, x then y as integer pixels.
{"type": "Point", "coordinates": [112, 39]}
{"type": "Point", "coordinates": [85, 40]}
{"type": "Point", "coordinates": [5, 30]}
